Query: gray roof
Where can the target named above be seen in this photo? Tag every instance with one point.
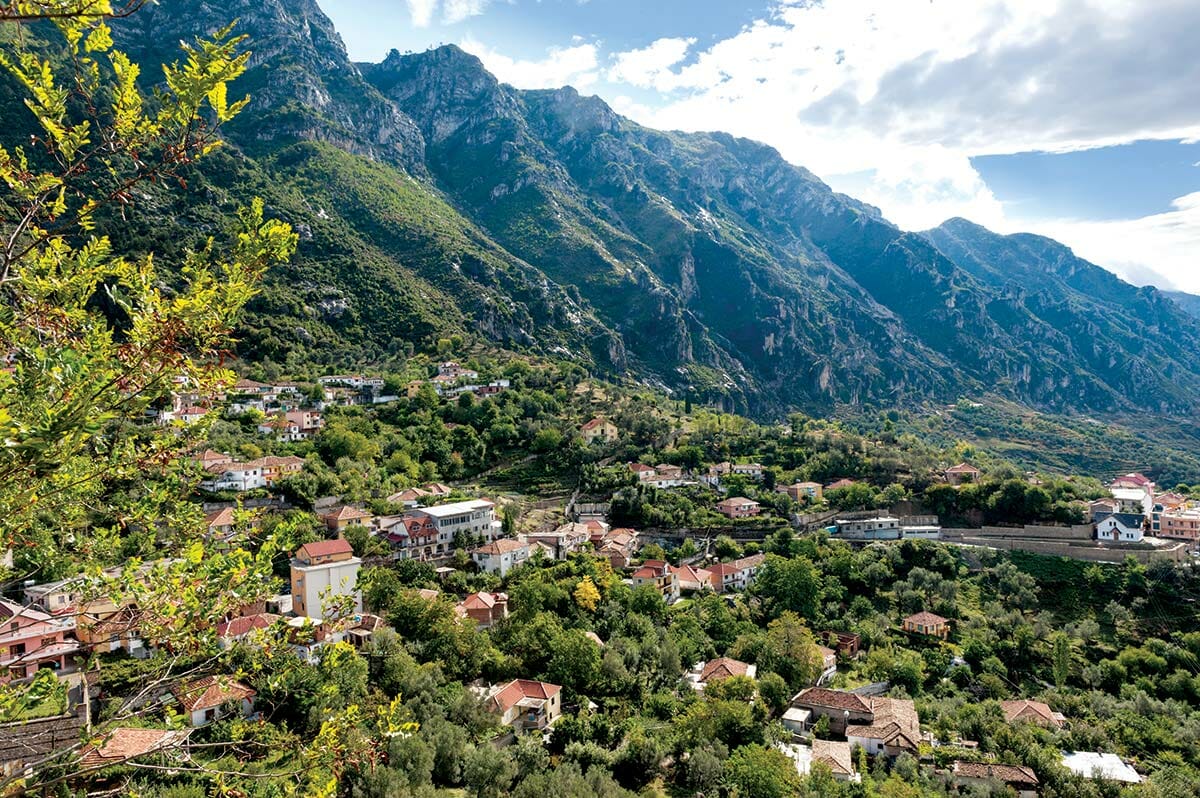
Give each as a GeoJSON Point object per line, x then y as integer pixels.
{"type": "Point", "coordinates": [1131, 520]}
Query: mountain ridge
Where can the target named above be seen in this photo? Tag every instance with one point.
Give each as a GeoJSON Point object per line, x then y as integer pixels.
{"type": "Point", "coordinates": [699, 262]}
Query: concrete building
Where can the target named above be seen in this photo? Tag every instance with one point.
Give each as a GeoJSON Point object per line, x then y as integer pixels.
{"type": "Point", "coordinates": [322, 572]}
{"type": "Point", "coordinates": [1100, 766]}
{"type": "Point", "coordinates": [885, 528]}
{"type": "Point", "coordinates": [1180, 525]}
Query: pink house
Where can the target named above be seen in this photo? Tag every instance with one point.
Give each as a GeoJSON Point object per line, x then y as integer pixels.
{"type": "Point", "coordinates": [31, 640]}
{"type": "Point", "coordinates": [738, 507]}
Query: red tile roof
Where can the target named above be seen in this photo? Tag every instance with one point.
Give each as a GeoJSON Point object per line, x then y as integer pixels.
{"type": "Point", "coordinates": [517, 690]}
{"type": "Point", "coordinates": [963, 468]}
{"type": "Point", "coordinates": [833, 699]}
{"type": "Point", "coordinates": [834, 754]}
{"type": "Point", "coordinates": [246, 624]}
{"type": "Point", "coordinates": [346, 513]}
{"type": "Point", "coordinates": [1030, 710]}
{"type": "Point", "coordinates": [502, 546]}
{"type": "Point", "coordinates": [926, 619]}
{"type": "Point", "coordinates": [723, 668]}
{"type": "Point", "coordinates": [222, 517]}
{"type": "Point", "coordinates": [210, 692]}
{"type": "Point", "coordinates": [122, 744]}
{"type": "Point", "coordinates": [1009, 774]}
{"type": "Point", "coordinates": [482, 601]}
{"type": "Point", "coordinates": [324, 548]}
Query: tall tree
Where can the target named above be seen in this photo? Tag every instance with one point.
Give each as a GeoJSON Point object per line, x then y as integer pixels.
{"type": "Point", "coordinates": [95, 340]}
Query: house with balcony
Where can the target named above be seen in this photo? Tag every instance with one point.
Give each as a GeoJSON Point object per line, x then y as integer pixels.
{"type": "Point", "coordinates": [803, 491]}
{"type": "Point", "coordinates": [658, 574]}
{"type": "Point", "coordinates": [31, 640]}
{"type": "Point", "coordinates": [736, 575]}
{"type": "Point", "coordinates": [525, 705]}
{"type": "Point", "coordinates": [475, 519]}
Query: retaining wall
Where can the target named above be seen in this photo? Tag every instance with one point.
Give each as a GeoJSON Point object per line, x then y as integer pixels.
{"type": "Point", "coordinates": [1076, 551]}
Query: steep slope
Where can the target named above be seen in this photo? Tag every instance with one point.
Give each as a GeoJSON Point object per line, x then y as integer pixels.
{"type": "Point", "coordinates": [636, 226]}
{"type": "Point", "coordinates": [1139, 342]}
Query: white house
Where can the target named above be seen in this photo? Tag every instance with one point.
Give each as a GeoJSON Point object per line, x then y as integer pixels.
{"type": "Point", "coordinates": [1119, 527]}
{"type": "Point", "coordinates": [211, 698]}
{"type": "Point", "coordinates": [501, 556]}
{"type": "Point", "coordinates": [234, 476]}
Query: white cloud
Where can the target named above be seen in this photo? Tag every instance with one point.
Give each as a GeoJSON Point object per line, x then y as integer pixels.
{"type": "Point", "coordinates": [907, 91]}
{"type": "Point", "coordinates": [1162, 249]}
{"type": "Point", "coordinates": [422, 12]}
{"type": "Point", "coordinates": [650, 67]}
{"type": "Point", "coordinates": [576, 66]}
{"type": "Point", "coordinates": [455, 11]}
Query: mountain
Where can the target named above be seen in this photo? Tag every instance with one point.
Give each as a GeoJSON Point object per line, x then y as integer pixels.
{"type": "Point", "coordinates": [1189, 302]}
{"type": "Point", "coordinates": [433, 199]}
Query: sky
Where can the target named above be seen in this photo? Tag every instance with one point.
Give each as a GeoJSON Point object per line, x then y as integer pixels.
{"type": "Point", "coordinates": [1076, 119]}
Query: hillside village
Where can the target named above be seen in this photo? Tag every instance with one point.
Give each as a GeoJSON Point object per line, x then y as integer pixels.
{"type": "Point", "coordinates": [840, 706]}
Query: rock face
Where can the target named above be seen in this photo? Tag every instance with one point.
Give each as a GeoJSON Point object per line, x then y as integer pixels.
{"type": "Point", "coordinates": [301, 82]}
{"type": "Point", "coordinates": [702, 262]}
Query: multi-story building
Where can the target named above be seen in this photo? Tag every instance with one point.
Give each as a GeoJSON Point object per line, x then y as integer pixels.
{"type": "Point", "coordinates": [660, 575]}
{"type": "Point", "coordinates": [738, 507]}
{"type": "Point", "coordinates": [31, 640]}
{"type": "Point", "coordinates": [321, 573]}
{"type": "Point", "coordinates": [886, 528]}
{"type": "Point", "coordinates": [562, 542]}
{"type": "Point", "coordinates": [475, 518]}
{"type": "Point", "coordinates": [1180, 525]}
